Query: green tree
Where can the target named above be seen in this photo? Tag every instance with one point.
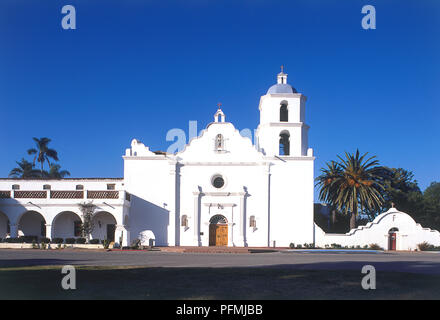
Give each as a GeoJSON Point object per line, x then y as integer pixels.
{"type": "Point", "coordinates": [87, 226]}
{"type": "Point", "coordinates": [430, 216]}
{"type": "Point", "coordinates": [43, 153]}
{"type": "Point", "coordinates": [401, 191]}
{"type": "Point", "coordinates": [55, 172]}
{"type": "Point", "coordinates": [25, 170]}
{"type": "Point", "coordinates": [353, 184]}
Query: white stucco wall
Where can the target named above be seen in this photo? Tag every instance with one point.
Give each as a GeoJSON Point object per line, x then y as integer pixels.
{"type": "Point", "coordinates": [409, 233]}
{"type": "Point", "coordinates": [57, 224]}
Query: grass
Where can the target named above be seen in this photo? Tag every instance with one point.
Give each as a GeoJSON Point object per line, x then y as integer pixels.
{"type": "Point", "coordinates": [44, 282]}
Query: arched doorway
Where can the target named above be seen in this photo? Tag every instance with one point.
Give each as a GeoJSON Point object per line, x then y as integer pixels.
{"type": "Point", "coordinates": [218, 231]}
{"type": "Point", "coordinates": [32, 223]}
{"type": "Point", "coordinates": [4, 225]}
{"type": "Point", "coordinates": [392, 239]}
{"type": "Point", "coordinates": [104, 226]}
{"type": "Point", "coordinates": [66, 224]}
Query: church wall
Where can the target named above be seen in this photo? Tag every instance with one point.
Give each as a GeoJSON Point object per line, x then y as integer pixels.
{"type": "Point", "coordinates": [291, 198]}
{"type": "Point", "coordinates": [149, 183]}
{"type": "Point", "coordinates": [270, 107]}
{"type": "Point", "coordinates": [408, 235]}
{"type": "Point", "coordinates": [269, 137]}
{"type": "Point", "coordinates": [245, 189]}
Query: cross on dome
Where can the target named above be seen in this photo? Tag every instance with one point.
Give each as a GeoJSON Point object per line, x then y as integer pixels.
{"type": "Point", "coordinates": [282, 77]}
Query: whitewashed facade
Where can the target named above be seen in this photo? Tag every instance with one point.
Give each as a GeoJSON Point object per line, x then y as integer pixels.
{"type": "Point", "coordinates": [219, 190]}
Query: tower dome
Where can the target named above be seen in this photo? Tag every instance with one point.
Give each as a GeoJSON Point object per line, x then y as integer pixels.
{"type": "Point", "coordinates": [281, 86]}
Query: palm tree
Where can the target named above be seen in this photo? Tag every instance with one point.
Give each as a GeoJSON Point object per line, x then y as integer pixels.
{"type": "Point", "coordinates": [24, 170]}
{"type": "Point", "coordinates": [43, 153]}
{"type": "Point", "coordinates": [352, 184]}
{"type": "Point", "coordinates": [55, 173]}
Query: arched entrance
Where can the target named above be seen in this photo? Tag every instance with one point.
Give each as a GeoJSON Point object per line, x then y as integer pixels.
{"type": "Point", "coordinates": [218, 231]}
{"type": "Point", "coordinates": [104, 226]}
{"type": "Point", "coordinates": [4, 225]}
{"type": "Point", "coordinates": [66, 224]}
{"type": "Point", "coordinates": [32, 223]}
{"type": "Point", "coordinates": [392, 239]}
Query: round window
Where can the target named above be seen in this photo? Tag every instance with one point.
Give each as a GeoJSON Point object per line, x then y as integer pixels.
{"type": "Point", "coordinates": [218, 182]}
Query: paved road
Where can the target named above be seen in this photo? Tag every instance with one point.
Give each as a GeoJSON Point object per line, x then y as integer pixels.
{"type": "Point", "coordinates": [418, 262]}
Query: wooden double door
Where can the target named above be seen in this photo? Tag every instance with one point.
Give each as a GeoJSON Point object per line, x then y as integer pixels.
{"type": "Point", "coordinates": [218, 234]}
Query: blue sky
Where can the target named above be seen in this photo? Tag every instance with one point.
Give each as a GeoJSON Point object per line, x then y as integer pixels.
{"type": "Point", "coordinates": [135, 69]}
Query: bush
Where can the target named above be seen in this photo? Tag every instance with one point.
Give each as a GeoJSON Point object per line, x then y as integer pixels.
{"type": "Point", "coordinates": [425, 246]}
{"type": "Point", "coordinates": [106, 243]}
{"type": "Point", "coordinates": [45, 240]}
{"type": "Point", "coordinates": [70, 240]}
{"type": "Point", "coordinates": [136, 244]}
{"type": "Point", "coordinates": [80, 240]}
{"type": "Point", "coordinates": [292, 246]}
{"type": "Point", "coordinates": [94, 241]}
{"type": "Point", "coordinates": [335, 246]}
{"type": "Point", "coordinates": [375, 246]}
{"type": "Point", "coordinates": [28, 239]}
{"type": "Point", "coordinates": [57, 240]}
{"type": "Point", "coordinates": [12, 240]}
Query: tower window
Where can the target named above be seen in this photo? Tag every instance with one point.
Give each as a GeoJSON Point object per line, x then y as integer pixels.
{"type": "Point", "coordinates": [284, 113]}
{"type": "Point", "coordinates": [284, 143]}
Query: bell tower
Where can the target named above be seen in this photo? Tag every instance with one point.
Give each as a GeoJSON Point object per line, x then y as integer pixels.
{"type": "Point", "coordinates": [282, 130]}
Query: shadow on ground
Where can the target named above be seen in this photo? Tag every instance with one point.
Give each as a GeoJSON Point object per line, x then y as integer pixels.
{"type": "Point", "coordinates": [275, 282]}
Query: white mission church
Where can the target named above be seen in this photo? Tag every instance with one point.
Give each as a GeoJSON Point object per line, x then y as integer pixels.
{"type": "Point", "coordinates": [220, 190]}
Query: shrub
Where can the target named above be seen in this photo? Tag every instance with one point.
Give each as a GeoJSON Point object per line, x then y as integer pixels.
{"type": "Point", "coordinates": [12, 240]}
{"type": "Point", "coordinates": [80, 240]}
{"type": "Point", "coordinates": [292, 246]}
{"type": "Point", "coordinates": [57, 240]}
{"type": "Point", "coordinates": [70, 240]}
{"type": "Point", "coordinates": [45, 240]}
{"type": "Point", "coordinates": [298, 246]}
{"type": "Point", "coordinates": [28, 239]}
{"type": "Point", "coordinates": [335, 246]}
{"type": "Point", "coordinates": [106, 243]}
{"type": "Point", "coordinates": [94, 241]}
{"type": "Point", "coordinates": [375, 246]}
{"type": "Point", "coordinates": [136, 244]}
{"type": "Point", "coordinates": [425, 246]}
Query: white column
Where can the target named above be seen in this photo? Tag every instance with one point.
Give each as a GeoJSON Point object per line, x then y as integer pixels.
{"type": "Point", "coordinates": [121, 231]}
{"type": "Point", "coordinates": [267, 209]}
{"type": "Point", "coordinates": [14, 230]}
{"type": "Point", "coordinates": [242, 222]}
{"type": "Point", "coordinates": [49, 231]}
{"type": "Point", "coordinates": [196, 219]}
{"type": "Point", "coordinates": [172, 206]}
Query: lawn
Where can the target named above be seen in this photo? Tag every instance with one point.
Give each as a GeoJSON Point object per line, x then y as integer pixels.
{"type": "Point", "coordinates": [211, 283]}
